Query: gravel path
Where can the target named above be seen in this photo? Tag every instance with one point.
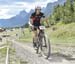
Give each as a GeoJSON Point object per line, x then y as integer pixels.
{"type": "Point", "coordinates": [27, 53]}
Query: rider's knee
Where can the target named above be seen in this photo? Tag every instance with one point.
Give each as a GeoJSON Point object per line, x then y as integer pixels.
{"type": "Point", "coordinates": [35, 33]}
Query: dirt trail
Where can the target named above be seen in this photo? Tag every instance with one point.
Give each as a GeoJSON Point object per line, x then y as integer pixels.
{"type": "Point", "coordinates": [27, 53]}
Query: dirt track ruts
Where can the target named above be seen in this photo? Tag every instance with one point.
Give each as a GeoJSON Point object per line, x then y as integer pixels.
{"type": "Point", "coordinates": [27, 53]}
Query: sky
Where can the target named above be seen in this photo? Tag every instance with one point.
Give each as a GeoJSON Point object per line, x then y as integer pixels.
{"type": "Point", "coordinates": [10, 8]}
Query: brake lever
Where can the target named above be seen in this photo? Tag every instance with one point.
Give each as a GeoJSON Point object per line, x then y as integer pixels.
{"type": "Point", "coordinates": [47, 26]}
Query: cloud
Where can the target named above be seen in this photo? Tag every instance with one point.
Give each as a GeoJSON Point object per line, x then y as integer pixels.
{"type": "Point", "coordinates": [9, 8]}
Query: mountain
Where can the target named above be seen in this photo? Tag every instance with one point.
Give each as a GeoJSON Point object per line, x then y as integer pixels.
{"type": "Point", "coordinates": [15, 21]}
{"type": "Point", "coordinates": [23, 17]}
{"type": "Point", "coordinates": [50, 6]}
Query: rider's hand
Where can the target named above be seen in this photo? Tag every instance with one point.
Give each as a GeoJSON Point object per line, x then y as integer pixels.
{"type": "Point", "coordinates": [47, 26]}
{"type": "Point", "coordinates": [32, 27]}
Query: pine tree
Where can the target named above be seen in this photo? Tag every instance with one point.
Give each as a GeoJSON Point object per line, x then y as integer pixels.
{"type": "Point", "coordinates": [65, 13]}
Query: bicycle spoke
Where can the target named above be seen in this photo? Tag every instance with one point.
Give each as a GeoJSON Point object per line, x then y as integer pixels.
{"type": "Point", "coordinates": [45, 47]}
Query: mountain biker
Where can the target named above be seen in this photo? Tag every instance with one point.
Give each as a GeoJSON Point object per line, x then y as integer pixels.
{"type": "Point", "coordinates": [36, 19]}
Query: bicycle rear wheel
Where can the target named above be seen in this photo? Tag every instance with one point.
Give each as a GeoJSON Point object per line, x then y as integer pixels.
{"type": "Point", "coordinates": [45, 47]}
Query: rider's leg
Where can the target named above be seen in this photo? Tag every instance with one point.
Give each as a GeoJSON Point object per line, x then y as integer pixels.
{"type": "Point", "coordinates": [34, 37]}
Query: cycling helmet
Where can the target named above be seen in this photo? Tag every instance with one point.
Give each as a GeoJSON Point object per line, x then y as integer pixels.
{"type": "Point", "coordinates": [38, 8]}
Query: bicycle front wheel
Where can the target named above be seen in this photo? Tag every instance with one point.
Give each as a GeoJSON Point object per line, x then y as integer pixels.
{"type": "Point", "coordinates": [45, 47]}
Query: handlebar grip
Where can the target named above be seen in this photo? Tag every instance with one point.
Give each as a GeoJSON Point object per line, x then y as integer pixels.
{"type": "Point", "coordinates": [47, 26]}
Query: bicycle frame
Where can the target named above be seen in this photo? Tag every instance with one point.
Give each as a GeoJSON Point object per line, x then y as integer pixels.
{"type": "Point", "coordinates": [40, 44]}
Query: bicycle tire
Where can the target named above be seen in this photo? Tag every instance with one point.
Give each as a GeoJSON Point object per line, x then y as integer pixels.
{"type": "Point", "coordinates": [47, 43]}
{"type": "Point", "coordinates": [38, 46]}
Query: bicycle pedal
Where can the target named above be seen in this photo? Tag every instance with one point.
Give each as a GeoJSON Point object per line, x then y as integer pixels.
{"type": "Point", "coordinates": [40, 55]}
{"type": "Point", "coordinates": [35, 48]}
{"type": "Point", "coordinates": [44, 46]}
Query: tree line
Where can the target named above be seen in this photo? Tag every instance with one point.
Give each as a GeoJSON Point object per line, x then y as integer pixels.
{"type": "Point", "coordinates": [63, 13]}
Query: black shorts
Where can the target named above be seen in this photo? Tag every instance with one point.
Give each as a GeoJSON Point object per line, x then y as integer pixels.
{"type": "Point", "coordinates": [35, 28]}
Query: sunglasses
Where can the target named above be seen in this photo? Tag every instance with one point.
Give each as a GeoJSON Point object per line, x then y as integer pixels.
{"type": "Point", "coordinates": [38, 9]}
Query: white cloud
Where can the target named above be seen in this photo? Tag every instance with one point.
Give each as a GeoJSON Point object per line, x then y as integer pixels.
{"type": "Point", "coordinates": [9, 10]}
{"type": "Point", "coordinates": [3, 13]}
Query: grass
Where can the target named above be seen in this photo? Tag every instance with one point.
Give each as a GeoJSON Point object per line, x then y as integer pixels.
{"type": "Point", "coordinates": [26, 37]}
{"type": "Point", "coordinates": [64, 33]}
{"type": "Point", "coordinates": [14, 59]}
{"type": "Point", "coordinates": [3, 50]}
{"type": "Point", "coordinates": [59, 33]}
{"type": "Point", "coordinates": [2, 55]}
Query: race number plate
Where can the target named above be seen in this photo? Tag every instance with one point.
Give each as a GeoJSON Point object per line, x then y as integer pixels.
{"type": "Point", "coordinates": [42, 27]}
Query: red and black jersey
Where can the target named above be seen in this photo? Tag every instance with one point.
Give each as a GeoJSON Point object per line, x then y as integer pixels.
{"type": "Point", "coordinates": [36, 18]}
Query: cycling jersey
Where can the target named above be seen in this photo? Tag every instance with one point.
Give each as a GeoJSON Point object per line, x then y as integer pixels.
{"type": "Point", "coordinates": [36, 18]}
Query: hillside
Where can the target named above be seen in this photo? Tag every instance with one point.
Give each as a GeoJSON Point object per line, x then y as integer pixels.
{"type": "Point", "coordinates": [59, 33]}
{"type": "Point", "coordinates": [64, 33]}
{"type": "Point", "coordinates": [63, 13]}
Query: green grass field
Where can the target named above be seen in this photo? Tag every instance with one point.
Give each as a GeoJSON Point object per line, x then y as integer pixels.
{"type": "Point", "coordinates": [59, 33]}
{"type": "Point", "coordinates": [63, 33]}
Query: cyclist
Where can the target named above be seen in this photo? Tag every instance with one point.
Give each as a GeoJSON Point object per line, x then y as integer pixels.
{"type": "Point", "coordinates": [36, 19]}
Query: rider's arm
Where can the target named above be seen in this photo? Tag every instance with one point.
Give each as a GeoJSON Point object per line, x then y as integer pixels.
{"type": "Point", "coordinates": [31, 19]}
{"type": "Point", "coordinates": [31, 22]}
{"type": "Point", "coordinates": [45, 19]}
{"type": "Point", "coordinates": [47, 22]}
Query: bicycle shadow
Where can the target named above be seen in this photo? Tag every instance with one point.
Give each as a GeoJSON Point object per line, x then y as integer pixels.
{"type": "Point", "coordinates": [59, 57]}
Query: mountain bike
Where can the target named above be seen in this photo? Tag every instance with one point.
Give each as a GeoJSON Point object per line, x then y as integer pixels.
{"type": "Point", "coordinates": [43, 43]}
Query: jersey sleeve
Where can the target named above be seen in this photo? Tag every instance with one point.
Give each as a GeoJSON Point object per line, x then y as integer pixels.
{"type": "Point", "coordinates": [32, 15]}
{"type": "Point", "coordinates": [42, 14]}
